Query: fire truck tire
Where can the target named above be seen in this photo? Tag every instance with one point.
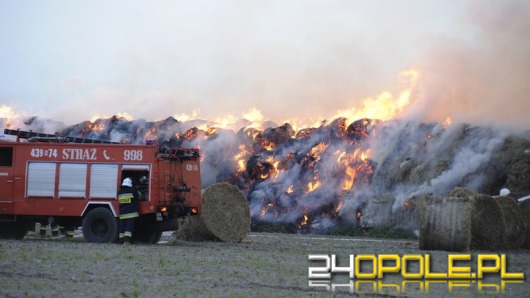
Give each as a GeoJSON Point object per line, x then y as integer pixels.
{"type": "Point", "coordinates": [157, 237]}
{"type": "Point", "coordinates": [100, 226]}
{"type": "Point", "coordinates": [149, 237]}
{"type": "Point", "coordinates": [13, 230]}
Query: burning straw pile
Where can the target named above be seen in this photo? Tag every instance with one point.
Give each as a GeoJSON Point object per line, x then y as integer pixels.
{"type": "Point", "coordinates": [225, 216]}
{"type": "Point", "coordinates": [465, 220]}
{"type": "Point", "coordinates": [316, 178]}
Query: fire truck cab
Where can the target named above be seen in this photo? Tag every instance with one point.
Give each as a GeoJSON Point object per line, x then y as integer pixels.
{"type": "Point", "coordinates": [74, 182]}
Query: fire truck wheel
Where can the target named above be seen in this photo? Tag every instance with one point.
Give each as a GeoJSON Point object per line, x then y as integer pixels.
{"type": "Point", "coordinates": [157, 237]}
{"type": "Point", "coordinates": [149, 237]}
{"type": "Point", "coordinates": [13, 230]}
{"type": "Point", "coordinates": [100, 226]}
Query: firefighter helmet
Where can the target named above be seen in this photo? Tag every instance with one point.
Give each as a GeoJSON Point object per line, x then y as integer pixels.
{"type": "Point", "coordinates": [504, 192]}
{"type": "Point", "coordinates": [127, 182]}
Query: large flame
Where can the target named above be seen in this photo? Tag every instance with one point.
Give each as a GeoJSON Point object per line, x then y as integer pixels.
{"type": "Point", "coordinates": [385, 106]}
{"type": "Point", "coordinates": [284, 170]}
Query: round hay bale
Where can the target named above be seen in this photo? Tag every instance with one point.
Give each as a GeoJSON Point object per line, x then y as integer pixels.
{"type": "Point", "coordinates": [407, 215]}
{"type": "Point", "coordinates": [461, 192]}
{"type": "Point", "coordinates": [225, 216]}
{"type": "Point", "coordinates": [445, 223]}
{"type": "Point", "coordinates": [487, 223]}
{"type": "Point", "coordinates": [378, 212]}
{"type": "Point", "coordinates": [461, 223]}
{"type": "Point", "coordinates": [418, 174]}
{"type": "Point", "coordinates": [525, 211]}
{"type": "Point", "coordinates": [514, 236]}
{"type": "Point", "coordinates": [519, 175]}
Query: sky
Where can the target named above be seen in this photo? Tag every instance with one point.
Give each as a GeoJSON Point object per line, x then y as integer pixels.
{"type": "Point", "coordinates": [279, 60]}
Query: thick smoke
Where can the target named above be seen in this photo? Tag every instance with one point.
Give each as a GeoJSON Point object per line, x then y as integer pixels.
{"type": "Point", "coordinates": [483, 79]}
{"type": "Point", "coordinates": [302, 60]}
{"type": "Point", "coordinates": [416, 158]}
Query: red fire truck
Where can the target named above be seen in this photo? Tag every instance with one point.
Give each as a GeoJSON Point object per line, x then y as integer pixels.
{"type": "Point", "coordinates": [74, 182]}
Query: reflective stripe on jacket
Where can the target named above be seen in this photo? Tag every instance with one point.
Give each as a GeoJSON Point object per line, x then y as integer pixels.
{"type": "Point", "coordinates": [128, 199]}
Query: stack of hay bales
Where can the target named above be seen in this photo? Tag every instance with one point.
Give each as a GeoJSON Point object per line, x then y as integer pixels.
{"type": "Point", "coordinates": [466, 220]}
{"type": "Point", "coordinates": [225, 216]}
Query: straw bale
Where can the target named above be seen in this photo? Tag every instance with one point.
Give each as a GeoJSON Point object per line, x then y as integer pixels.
{"type": "Point", "coordinates": [461, 222]}
{"type": "Point", "coordinates": [225, 216]}
{"type": "Point", "coordinates": [513, 236]}
{"type": "Point", "coordinates": [519, 175]}
{"type": "Point", "coordinates": [512, 161]}
{"type": "Point", "coordinates": [487, 223]}
{"type": "Point", "coordinates": [445, 223]}
{"type": "Point", "coordinates": [407, 216]}
{"type": "Point", "coordinates": [418, 174]}
{"type": "Point", "coordinates": [525, 211]}
{"type": "Point", "coordinates": [461, 192]}
{"type": "Point", "coordinates": [378, 212]}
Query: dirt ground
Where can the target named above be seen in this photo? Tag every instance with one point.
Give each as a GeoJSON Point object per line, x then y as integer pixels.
{"type": "Point", "coordinates": [263, 265]}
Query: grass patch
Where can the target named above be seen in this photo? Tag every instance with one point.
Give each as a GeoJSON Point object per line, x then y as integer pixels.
{"type": "Point", "coordinates": [273, 227]}
{"type": "Point", "coordinates": [384, 232]}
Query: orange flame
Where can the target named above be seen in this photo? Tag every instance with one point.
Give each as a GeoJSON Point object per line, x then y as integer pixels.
{"type": "Point", "coordinates": [266, 208]}
{"type": "Point", "coordinates": [211, 131]}
{"type": "Point", "coordinates": [305, 220]}
{"type": "Point", "coordinates": [447, 122]}
{"type": "Point", "coordinates": [339, 206]}
{"type": "Point", "coordinates": [241, 158]}
{"type": "Point", "coordinates": [350, 178]}
{"type": "Point", "coordinates": [348, 161]}
{"type": "Point", "coordinates": [385, 106]}
{"type": "Point", "coordinates": [268, 145]}
{"type": "Point", "coordinates": [318, 149]}
{"type": "Point", "coordinates": [313, 185]}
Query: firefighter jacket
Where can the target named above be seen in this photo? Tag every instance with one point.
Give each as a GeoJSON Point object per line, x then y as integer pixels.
{"type": "Point", "coordinates": [128, 198]}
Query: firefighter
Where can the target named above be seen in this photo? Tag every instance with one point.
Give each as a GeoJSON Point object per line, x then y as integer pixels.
{"type": "Point", "coordinates": [54, 227]}
{"type": "Point", "coordinates": [128, 198]}
{"type": "Point", "coordinates": [68, 231]}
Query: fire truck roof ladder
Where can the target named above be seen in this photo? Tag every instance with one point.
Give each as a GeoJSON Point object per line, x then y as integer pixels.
{"type": "Point", "coordinates": [176, 153]}
{"type": "Point", "coordinates": [43, 137]}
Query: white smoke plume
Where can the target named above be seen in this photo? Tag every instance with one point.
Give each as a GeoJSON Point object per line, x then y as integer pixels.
{"type": "Point", "coordinates": [297, 61]}
{"type": "Point", "coordinates": [484, 79]}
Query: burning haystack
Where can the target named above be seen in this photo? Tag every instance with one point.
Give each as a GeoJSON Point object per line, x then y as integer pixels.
{"type": "Point", "coordinates": [365, 173]}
